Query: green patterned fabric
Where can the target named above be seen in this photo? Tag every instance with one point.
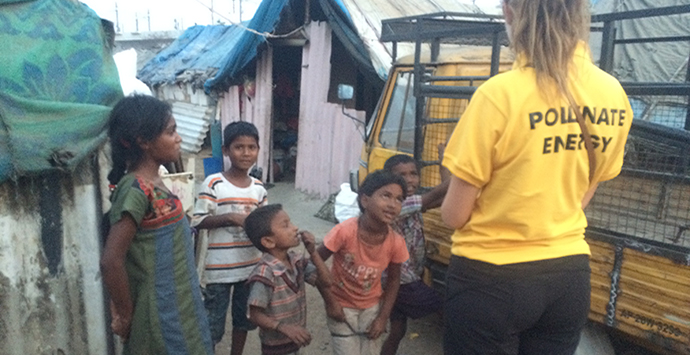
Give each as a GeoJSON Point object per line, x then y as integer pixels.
{"type": "Point", "coordinates": [58, 82]}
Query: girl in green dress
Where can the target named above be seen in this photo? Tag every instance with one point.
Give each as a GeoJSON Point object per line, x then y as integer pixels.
{"type": "Point", "coordinates": [148, 261]}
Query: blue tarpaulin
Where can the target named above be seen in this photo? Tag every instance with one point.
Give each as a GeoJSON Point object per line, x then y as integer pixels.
{"type": "Point", "coordinates": [200, 49]}
{"type": "Point", "coordinates": [216, 55]}
{"type": "Point", "coordinates": [264, 21]}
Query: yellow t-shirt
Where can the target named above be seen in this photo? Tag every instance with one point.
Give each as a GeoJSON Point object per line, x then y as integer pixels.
{"type": "Point", "coordinates": [525, 152]}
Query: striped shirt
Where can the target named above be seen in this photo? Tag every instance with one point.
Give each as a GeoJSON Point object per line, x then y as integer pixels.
{"type": "Point", "coordinates": [280, 292]}
{"type": "Point", "coordinates": [231, 256]}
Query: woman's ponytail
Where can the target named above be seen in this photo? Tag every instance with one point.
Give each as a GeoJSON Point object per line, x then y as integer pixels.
{"type": "Point", "coordinates": [546, 33]}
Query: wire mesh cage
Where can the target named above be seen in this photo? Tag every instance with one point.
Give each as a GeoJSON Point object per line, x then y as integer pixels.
{"type": "Point", "coordinates": [651, 197]}
{"type": "Point", "coordinates": [442, 116]}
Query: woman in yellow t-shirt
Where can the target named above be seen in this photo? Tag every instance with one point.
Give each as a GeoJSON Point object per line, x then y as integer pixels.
{"type": "Point", "coordinates": [526, 158]}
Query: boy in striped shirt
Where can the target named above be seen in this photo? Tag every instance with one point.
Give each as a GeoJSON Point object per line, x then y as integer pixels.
{"type": "Point", "coordinates": [223, 204]}
{"type": "Point", "coordinates": [277, 301]}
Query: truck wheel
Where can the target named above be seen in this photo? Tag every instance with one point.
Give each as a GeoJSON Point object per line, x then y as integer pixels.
{"type": "Point", "coordinates": [594, 341]}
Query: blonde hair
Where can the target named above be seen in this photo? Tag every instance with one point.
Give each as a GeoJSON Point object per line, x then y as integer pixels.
{"type": "Point", "coordinates": [546, 33]}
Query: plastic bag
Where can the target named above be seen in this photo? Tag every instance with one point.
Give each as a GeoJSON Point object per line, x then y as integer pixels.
{"type": "Point", "coordinates": [346, 205]}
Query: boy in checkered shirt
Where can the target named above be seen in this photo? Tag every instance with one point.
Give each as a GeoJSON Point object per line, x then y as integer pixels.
{"type": "Point", "coordinates": [277, 301]}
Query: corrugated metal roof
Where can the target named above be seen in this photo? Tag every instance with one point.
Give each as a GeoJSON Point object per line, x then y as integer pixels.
{"type": "Point", "coordinates": [194, 57]}
{"type": "Point", "coordinates": [193, 122]}
{"type": "Point", "coordinates": [366, 15]}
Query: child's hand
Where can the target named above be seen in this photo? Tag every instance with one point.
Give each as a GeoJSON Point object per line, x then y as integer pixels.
{"type": "Point", "coordinates": [297, 334]}
{"type": "Point", "coordinates": [335, 311]}
{"type": "Point", "coordinates": [376, 328]}
{"type": "Point", "coordinates": [309, 241]}
{"type": "Point", "coordinates": [441, 150]}
{"type": "Point", "coordinates": [120, 324]}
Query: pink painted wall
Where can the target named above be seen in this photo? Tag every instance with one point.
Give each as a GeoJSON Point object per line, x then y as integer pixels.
{"type": "Point", "coordinates": [257, 110]}
{"type": "Point", "coordinates": [329, 144]}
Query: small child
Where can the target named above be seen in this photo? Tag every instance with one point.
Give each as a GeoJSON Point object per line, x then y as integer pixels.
{"type": "Point", "coordinates": [224, 202]}
{"type": "Point", "coordinates": [362, 248]}
{"type": "Point", "coordinates": [415, 299]}
{"type": "Point", "coordinates": [277, 301]}
{"type": "Point", "coordinates": [148, 259]}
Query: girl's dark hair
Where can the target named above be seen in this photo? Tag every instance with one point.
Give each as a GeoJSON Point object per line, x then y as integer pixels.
{"type": "Point", "coordinates": [377, 180]}
{"type": "Point", "coordinates": [239, 129]}
{"type": "Point", "coordinates": [396, 160]}
{"type": "Point", "coordinates": [134, 118]}
{"type": "Point", "coordinates": [258, 224]}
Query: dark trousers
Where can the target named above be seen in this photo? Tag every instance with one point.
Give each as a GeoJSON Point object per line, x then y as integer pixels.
{"type": "Point", "coordinates": [535, 308]}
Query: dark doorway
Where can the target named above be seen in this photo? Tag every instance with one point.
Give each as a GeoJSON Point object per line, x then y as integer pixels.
{"type": "Point", "coordinates": [287, 69]}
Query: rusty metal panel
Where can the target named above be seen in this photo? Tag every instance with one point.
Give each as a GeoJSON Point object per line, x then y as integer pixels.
{"type": "Point", "coordinates": [51, 295]}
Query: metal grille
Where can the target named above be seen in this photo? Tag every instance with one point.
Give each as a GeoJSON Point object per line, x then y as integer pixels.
{"type": "Point", "coordinates": [669, 111]}
{"type": "Point", "coordinates": [441, 117]}
{"type": "Point", "coordinates": [651, 197]}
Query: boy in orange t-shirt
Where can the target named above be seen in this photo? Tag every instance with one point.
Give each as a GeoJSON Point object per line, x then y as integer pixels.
{"type": "Point", "coordinates": [362, 248]}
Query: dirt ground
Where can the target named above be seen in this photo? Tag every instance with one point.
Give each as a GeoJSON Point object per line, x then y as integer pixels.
{"type": "Point", "coordinates": [423, 335]}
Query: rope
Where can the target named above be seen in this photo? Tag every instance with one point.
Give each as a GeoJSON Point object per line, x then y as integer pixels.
{"type": "Point", "coordinates": [262, 34]}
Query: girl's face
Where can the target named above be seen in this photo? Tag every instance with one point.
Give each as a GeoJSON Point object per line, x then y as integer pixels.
{"type": "Point", "coordinates": [166, 147]}
{"type": "Point", "coordinates": [384, 204]}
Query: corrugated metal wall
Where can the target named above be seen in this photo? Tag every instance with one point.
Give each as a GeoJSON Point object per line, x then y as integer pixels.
{"type": "Point", "coordinates": [51, 296]}
{"type": "Point", "coordinates": [329, 144]}
{"type": "Point", "coordinates": [257, 110]}
{"type": "Point", "coordinates": [193, 112]}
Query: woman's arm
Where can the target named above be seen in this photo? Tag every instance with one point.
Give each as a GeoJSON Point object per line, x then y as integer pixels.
{"type": "Point", "coordinates": [588, 195]}
{"type": "Point", "coordinates": [459, 202]}
{"type": "Point", "coordinates": [115, 275]}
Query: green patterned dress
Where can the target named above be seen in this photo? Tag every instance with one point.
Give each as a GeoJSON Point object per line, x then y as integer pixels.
{"type": "Point", "coordinates": [169, 315]}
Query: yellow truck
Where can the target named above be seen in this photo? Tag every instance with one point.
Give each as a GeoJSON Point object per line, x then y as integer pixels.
{"type": "Point", "coordinates": [639, 223]}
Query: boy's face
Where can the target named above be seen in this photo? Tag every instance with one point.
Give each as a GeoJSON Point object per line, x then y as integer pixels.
{"type": "Point", "coordinates": [409, 172]}
{"type": "Point", "coordinates": [242, 152]}
{"type": "Point", "coordinates": [284, 234]}
{"type": "Point", "coordinates": [384, 204]}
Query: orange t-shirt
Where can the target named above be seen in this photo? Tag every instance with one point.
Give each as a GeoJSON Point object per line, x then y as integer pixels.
{"type": "Point", "coordinates": [357, 266]}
